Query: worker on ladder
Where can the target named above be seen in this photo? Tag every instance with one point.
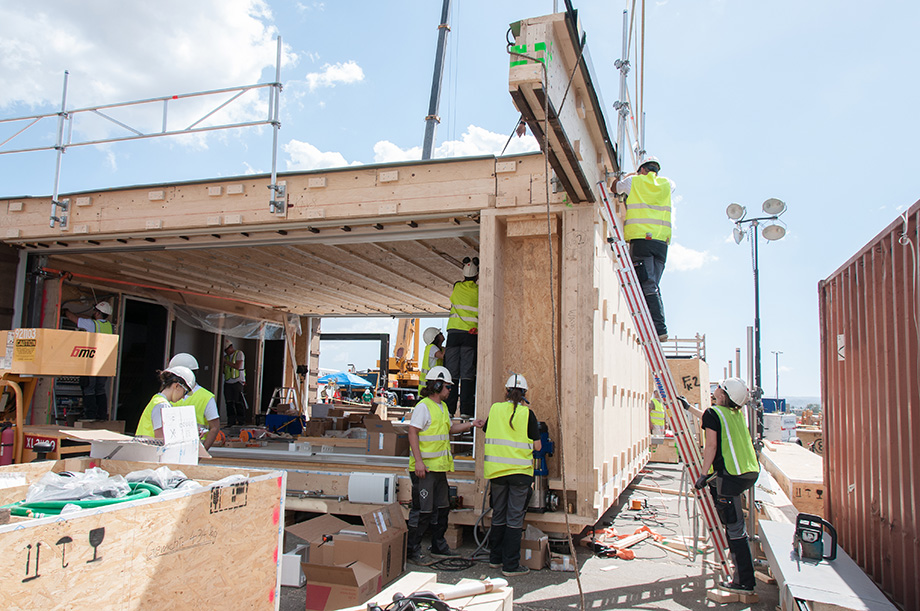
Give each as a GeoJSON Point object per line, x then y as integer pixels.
{"type": "Point", "coordinates": [730, 467]}
{"type": "Point", "coordinates": [433, 355]}
{"type": "Point", "coordinates": [206, 413]}
{"type": "Point", "coordinates": [648, 232]}
{"type": "Point", "coordinates": [462, 339]}
{"type": "Point", "coordinates": [430, 461]}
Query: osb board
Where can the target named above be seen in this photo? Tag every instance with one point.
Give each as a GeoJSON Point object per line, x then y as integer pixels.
{"type": "Point", "coordinates": [525, 328]}
{"type": "Point", "coordinates": [799, 473]}
{"type": "Point", "coordinates": [179, 549]}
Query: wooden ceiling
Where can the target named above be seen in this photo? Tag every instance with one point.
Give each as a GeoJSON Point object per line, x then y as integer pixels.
{"type": "Point", "coordinates": [319, 275]}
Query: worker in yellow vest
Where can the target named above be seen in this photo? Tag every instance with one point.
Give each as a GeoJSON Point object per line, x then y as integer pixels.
{"type": "Point", "coordinates": [433, 355]}
{"type": "Point", "coordinates": [730, 467]}
{"type": "Point", "coordinates": [462, 339]}
{"type": "Point", "coordinates": [93, 388]}
{"type": "Point", "coordinates": [648, 231]}
{"type": "Point", "coordinates": [206, 414]}
{"type": "Point", "coordinates": [175, 383]}
{"type": "Point", "coordinates": [656, 415]}
{"type": "Point", "coordinates": [512, 434]}
{"type": "Point", "coordinates": [234, 381]}
{"type": "Point", "coordinates": [429, 463]}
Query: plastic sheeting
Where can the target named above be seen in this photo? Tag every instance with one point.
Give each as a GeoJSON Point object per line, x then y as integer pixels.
{"type": "Point", "coordinates": [231, 325]}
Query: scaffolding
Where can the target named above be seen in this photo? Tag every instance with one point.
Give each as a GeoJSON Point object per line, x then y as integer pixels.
{"type": "Point", "coordinates": [67, 118]}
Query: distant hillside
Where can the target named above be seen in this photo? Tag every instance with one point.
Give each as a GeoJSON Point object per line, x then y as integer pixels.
{"type": "Point", "coordinates": [802, 402]}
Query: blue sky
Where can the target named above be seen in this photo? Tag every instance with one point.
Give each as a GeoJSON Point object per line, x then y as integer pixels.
{"type": "Point", "coordinates": [813, 103]}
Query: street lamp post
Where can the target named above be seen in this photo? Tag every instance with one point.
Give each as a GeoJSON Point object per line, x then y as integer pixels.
{"type": "Point", "coordinates": [772, 230]}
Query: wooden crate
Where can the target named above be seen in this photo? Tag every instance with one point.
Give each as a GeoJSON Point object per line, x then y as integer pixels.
{"type": "Point", "coordinates": [799, 473]}
{"type": "Point", "coordinates": [197, 548]}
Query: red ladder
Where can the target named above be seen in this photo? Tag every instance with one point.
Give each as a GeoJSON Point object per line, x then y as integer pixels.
{"type": "Point", "coordinates": [638, 309]}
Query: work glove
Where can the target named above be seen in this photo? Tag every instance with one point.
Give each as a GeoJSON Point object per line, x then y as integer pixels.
{"type": "Point", "coordinates": [684, 402]}
{"type": "Point", "coordinates": [703, 480]}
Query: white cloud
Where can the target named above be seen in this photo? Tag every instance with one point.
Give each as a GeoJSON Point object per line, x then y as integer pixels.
{"type": "Point", "coordinates": [475, 141]}
{"type": "Point", "coordinates": [134, 50]}
{"type": "Point", "coordinates": [330, 74]}
{"type": "Point", "coordinates": [683, 259]}
{"type": "Point", "coordinates": [305, 156]}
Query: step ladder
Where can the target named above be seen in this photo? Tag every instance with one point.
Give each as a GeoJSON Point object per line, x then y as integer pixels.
{"type": "Point", "coordinates": [664, 382]}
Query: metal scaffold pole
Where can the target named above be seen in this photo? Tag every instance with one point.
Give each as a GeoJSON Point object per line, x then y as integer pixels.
{"type": "Point", "coordinates": [622, 105]}
{"type": "Point", "coordinates": [59, 147]}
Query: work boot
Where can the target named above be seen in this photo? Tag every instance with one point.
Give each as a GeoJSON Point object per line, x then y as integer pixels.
{"type": "Point", "coordinates": [439, 547]}
{"type": "Point", "coordinates": [496, 539]}
{"type": "Point", "coordinates": [743, 580]}
{"type": "Point", "coordinates": [511, 551]}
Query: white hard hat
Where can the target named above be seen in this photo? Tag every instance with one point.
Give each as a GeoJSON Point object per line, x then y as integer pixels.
{"type": "Point", "coordinates": [430, 333]}
{"type": "Point", "coordinates": [185, 359]}
{"type": "Point", "coordinates": [227, 342]}
{"type": "Point", "coordinates": [104, 307]}
{"type": "Point", "coordinates": [651, 159]}
{"type": "Point", "coordinates": [185, 373]}
{"type": "Point", "coordinates": [736, 390]}
{"type": "Point", "coordinates": [439, 372]}
{"type": "Point", "coordinates": [516, 381]}
{"type": "Point", "coordinates": [470, 267]}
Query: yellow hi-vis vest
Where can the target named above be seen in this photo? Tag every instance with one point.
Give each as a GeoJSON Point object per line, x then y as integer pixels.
{"type": "Point", "coordinates": [737, 449]}
{"type": "Point", "coordinates": [145, 424]}
{"type": "Point", "coordinates": [657, 414]}
{"type": "Point", "coordinates": [199, 399]}
{"type": "Point", "coordinates": [423, 366]}
{"type": "Point", "coordinates": [464, 306]}
{"type": "Point", "coordinates": [103, 326]}
{"type": "Point", "coordinates": [434, 442]}
{"type": "Point", "coordinates": [648, 208]}
{"type": "Point", "coordinates": [231, 373]}
{"type": "Point", "coordinates": [508, 450]}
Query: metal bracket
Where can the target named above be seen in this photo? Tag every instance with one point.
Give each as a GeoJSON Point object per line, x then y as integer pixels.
{"type": "Point", "coordinates": [278, 202]}
{"type": "Point", "coordinates": [64, 206]}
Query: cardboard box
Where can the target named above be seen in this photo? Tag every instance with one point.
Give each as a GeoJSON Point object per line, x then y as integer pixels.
{"type": "Point", "coordinates": [535, 552]}
{"type": "Point", "coordinates": [317, 535]}
{"type": "Point", "coordinates": [154, 553]}
{"type": "Point", "coordinates": [385, 438]}
{"type": "Point", "coordinates": [665, 452]}
{"type": "Point", "coordinates": [317, 427]}
{"type": "Point", "coordinates": [58, 352]}
{"type": "Point", "coordinates": [381, 543]}
{"type": "Point", "coordinates": [561, 562]}
{"type": "Point", "coordinates": [337, 587]}
{"type": "Point", "coordinates": [116, 426]}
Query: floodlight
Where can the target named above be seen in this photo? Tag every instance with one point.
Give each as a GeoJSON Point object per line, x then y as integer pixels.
{"type": "Point", "coordinates": [773, 232]}
{"type": "Point", "coordinates": [738, 234]}
{"type": "Point", "coordinates": [774, 206]}
{"type": "Point", "coordinates": [735, 211]}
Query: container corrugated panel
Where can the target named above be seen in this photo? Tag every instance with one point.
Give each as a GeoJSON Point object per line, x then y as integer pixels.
{"type": "Point", "coordinates": [869, 384]}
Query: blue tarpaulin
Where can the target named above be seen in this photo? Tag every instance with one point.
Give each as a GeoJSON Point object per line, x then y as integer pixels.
{"type": "Point", "coordinates": [344, 378]}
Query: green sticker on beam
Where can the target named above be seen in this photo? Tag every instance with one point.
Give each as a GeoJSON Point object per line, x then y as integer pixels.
{"type": "Point", "coordinates": [540, 46]}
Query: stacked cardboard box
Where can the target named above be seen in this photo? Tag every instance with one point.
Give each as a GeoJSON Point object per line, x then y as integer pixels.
{"type": "Point", "coordinates": [345, 564]}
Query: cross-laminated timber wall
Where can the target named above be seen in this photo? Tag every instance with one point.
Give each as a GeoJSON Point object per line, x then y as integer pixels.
{"type": "Point", "coordinates": [602, 375]}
